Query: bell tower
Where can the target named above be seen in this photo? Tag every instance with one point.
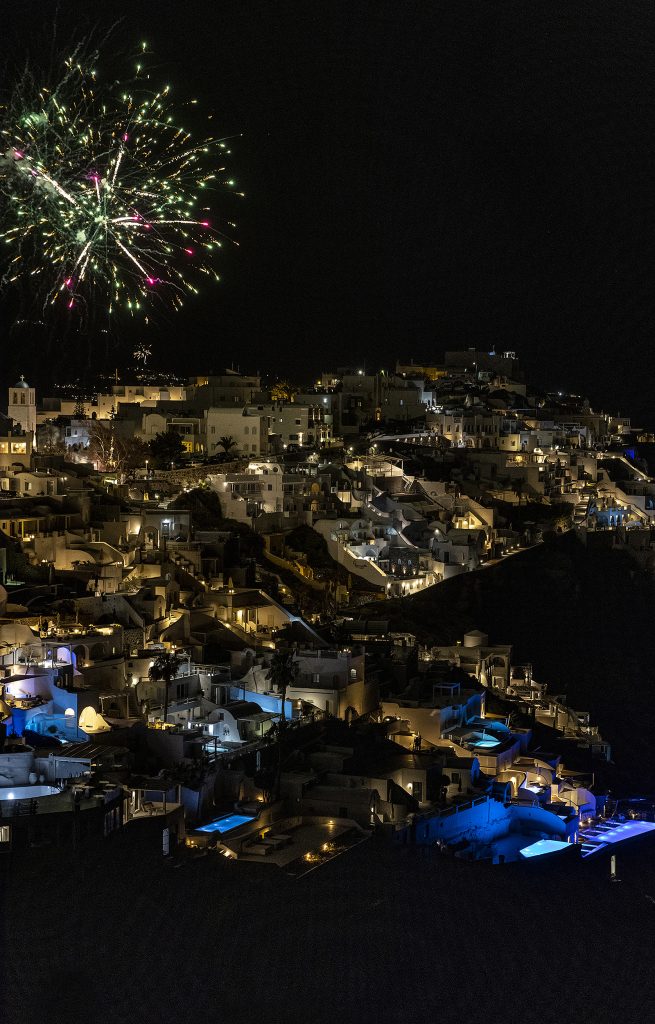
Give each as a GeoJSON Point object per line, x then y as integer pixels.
{"type": "Point", "coordinates": [21, 406]}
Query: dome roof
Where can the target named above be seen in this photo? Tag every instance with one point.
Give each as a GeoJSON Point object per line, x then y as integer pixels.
{"type": "Point", "coordinates": [22, 383]}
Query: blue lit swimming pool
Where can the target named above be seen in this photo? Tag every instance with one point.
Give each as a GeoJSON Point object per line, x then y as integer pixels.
{"type": "Point", "coordinates": [27, 792]}
{"type": "Point", "coordinates": [485, 744]}
{"type": "Point", "coordinates": [226, 823]}
{"type": "Point", "coordinates": [544, 846]}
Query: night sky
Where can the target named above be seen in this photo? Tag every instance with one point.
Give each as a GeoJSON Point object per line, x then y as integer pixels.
{"type": "Point", "coordinates": [418, 176]}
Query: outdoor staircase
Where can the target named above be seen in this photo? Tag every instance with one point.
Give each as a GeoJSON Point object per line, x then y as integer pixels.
{"type": "Point", "coordinates": [580, 510]}
{"type": "Point", "coordinates": [132, 709]}
{"type": "Point", "coordinates": [593, 839]}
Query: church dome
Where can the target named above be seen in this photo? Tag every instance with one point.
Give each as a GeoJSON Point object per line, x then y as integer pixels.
{"type": "Point", "coordinates": [22, 383]}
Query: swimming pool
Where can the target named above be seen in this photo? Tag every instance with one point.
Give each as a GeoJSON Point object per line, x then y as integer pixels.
{"type": "Point", "coordinates": [226, 823]}
{"type": "Point", "coordinates": [544, 846]}
{"type": "Point", "coordinates": [27, 792]}
{"type": "Point", "coordinates": [485, 744]}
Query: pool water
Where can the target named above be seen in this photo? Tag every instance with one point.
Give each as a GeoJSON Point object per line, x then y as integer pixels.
{"type": "Point", "coordinates": [544, 846]}
{"type": "Point", "coordinates": [27, 792]}
{"type": "Point", "coordinates": [485, 744]}
{"type": "Point", "coordinates": [226, 823]}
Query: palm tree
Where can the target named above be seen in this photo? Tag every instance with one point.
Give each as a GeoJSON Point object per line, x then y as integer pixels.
{"type": "Point", "coordinates": [226, 443]}
{"type": "Point", "coordinates": [283, 672]}
{"type": "Point", "coordinates": [518, 489]}
{"type": "Point", "coordinates": [163, 669]}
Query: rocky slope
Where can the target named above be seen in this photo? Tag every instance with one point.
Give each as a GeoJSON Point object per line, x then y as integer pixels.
{"type": "Point", "coordinates": [583, 619]}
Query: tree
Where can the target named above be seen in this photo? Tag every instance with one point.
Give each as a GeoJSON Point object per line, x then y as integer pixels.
{"type": "Point", "coordinates": [283, 672]}
{"type": "Point", "coordinates": [204, 505]}
{"type": "Point", "coordinates": [283, 391]}
{"type": "Point", "coordinates": [49, 440]}
{"type": "Point", "coordinates": [105, 448]}
{"type": "Point", "coordinates": [135, 453]}
{"type": "Point", "coordinates": [163, 669]}
{"type": "Point", "coordinates": [312, 544]}
{"type": "Point", "coordinates": [112, 453]}
{"type": "Point", "coordinates": [166, 448]}
{"type": "Point", "coordinates": [518, 488]}
{"type": "Point", "coordinates": [226, 443]}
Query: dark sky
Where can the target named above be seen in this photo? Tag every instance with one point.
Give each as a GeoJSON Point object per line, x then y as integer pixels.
{"type": "Point", "coordinates": [419, 175]}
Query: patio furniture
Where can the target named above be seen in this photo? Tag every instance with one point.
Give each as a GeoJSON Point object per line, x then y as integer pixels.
{"type": "Point", "coordinates": [258, 850]}
{"type": "Point", "coordinates": [277, 841]}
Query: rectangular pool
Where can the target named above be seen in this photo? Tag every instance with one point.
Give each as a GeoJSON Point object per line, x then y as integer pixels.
{"type": "Point", "coordinates": [226, 823]}
{"type": "Point", "coordinates": [544, 846]}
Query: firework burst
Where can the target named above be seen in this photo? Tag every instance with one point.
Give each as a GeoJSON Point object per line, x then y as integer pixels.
{"type": "Point", "coordinates": [142, 354]}
{"type": "Point", "coordinates": [102, 193]}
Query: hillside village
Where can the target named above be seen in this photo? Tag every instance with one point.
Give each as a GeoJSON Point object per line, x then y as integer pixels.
{"type": "Point", "coordinates": [213, 613]}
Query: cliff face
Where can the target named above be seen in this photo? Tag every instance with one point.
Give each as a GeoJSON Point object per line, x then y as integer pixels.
{"type": "Point", "coordinates": [584, 619]}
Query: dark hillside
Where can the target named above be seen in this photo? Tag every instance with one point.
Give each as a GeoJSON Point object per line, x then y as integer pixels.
{"type": "Point", "coordinates": [585, 622]}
